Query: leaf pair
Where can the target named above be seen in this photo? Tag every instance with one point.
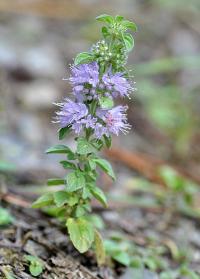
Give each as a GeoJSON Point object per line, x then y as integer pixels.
{"type": "Point", "coordinates": [117, 19]}
{"type": "Point", "coordinates": [36, 265]}
{"type": "Point", "coordinates": [119, 25]}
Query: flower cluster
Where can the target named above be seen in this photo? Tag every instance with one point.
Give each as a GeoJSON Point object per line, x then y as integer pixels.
{"type": "Point", "coordinates": [87, 87]}
{"type": "Point", "coordinates": [106, 122]}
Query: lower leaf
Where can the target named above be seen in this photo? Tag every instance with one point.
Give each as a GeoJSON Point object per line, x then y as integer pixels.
{"type": "Point", "coordinates": [81, 233]}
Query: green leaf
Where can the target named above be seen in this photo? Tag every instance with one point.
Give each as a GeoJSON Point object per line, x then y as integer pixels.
{"type": "Point", "coordinates": [36, 269]}
{"type": "Point", "coordinates": [136, 262]}
{"type": "Point", "coordinates": [5, 217]}
{"type": "Point", "coordinates": [150, 263]}
{"type": "Point", "coordinates": [81, 233]}
{"type": "Point", "coordinates": [91, 176]}
{"type": "Point", "coordinates": [172, 179]}
{"type": "Point", "coordinates": [119, 18]}
{"type": "Point", "coordinates": [105, 166]}
{"type": "Point", "coordinates": [75, 181]}
{"type": "Point", "coordinates": [111, 247]}
{"type": "Point", "coordinates": [92, 165]}
{"type": "Point", "coordinates": [86, 193]}
{"type": "Point", "coordinates": [98, 194]}
{"type": "Point", "coordinates": [98, 144]}
{"type": "Point", "coordinates": [61, 198]}
{"type": "Point", "coordinates": [59, 149]}
{"type": "Point", "coordinates": [129, 25]}
{"type": "Point", "coordinates": [36, 265]}
{"type": "Point", "coordinates": [73, 199]}
{"type": "Point", "coordinates": [84, 147]}
{"type": "Point", "coordinates": [55, 181]}
{"type": "Point", "coordinates": [105, 18]}
{"type": "Point", "coordinates": [99, 248]}
{"type": "Point", "coordinates": [44, 200]}
{"type": "Point", "coordinates": [122, 257]}
{"type": "Point", "coordinates": [106, 102]}
{"type": "Point", "coordinates": [63, 132]}
{"type": "Point", "coordinates": [108, 141]}
{"type": "Point", "coordinates": [83, 57]}
{"type": "Point", "coordinates": [68, 165]}
{"type": "Point", "coordinates": [80, 211]}
{"type": "Point", "coordinates": [96, 220]}
{"type": "Point", "coordinates": [105, 31]}
{"type": "Point", "coordinates": [128, 41]}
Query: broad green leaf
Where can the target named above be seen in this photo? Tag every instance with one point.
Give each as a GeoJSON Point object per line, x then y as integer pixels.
{"type": "Point", "coordinates": [61, 198]}
{"type": "Point", "coordinates": [55, 181]}
{"type": "Point", "coordinates": [99, 248]}
{"type": "Point", "coordinates": [122, 257]}
{"type": "Point", "coordinates": [128, 41]}
{"type": "Point", "coordinates": [105, 166]}
{"type": "Point", "coordinates": [106, 102]}
{"type": "Point", "coordinates": [108, 141]}
{"type": "Point", "coordinates": [63, 132]}
{"type": "Point", "coordinates": [36, 269]}
{"type": "Point", "coordinates": [68, 165]}
{"type": "Point", "coordinates": [105, 18]}
{"type": "Point", "coordinates": [44, 200]}
{"type": "Point", "coordinates": [129, 25]}
{"type": "Point", "coordinates": [83, 57]}
{"type": "Point", "coordinates": [59, 149]}
{"type": "Point", "coordinates": [36, 265]}
{"type": "Point", "coordinates": [81, 233]}
{"type": "Point", "coordinates": [5, 217]}
{"type": "Point", "coordinates": [99, 195]}
{"type": "Point", "coordinates": [84, 147]}
{"type": "Point", "coordinates": [75, 181]}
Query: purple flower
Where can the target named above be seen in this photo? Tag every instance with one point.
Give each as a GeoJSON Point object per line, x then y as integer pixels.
{"type": "Point", "coordinates": [115, 120]}
{"type": "Point", "coordinates": [78, 92]}
{"type": "Point", "coordinates": [89, 121]}
{"type": "Point", "coordinates": [116, 83]}
{"type": "Point", "coordinates": [100, 130]}
{"type": "Point", "coordinates": [85, 73]}
{"type": "Point", "coordinates": [70, 112]}
{"type": "Point", "coordinates": [77, 127]}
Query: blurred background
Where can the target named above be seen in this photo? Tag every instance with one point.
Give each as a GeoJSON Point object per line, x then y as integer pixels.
{"type": "Point", "coordinates": [40, 38]}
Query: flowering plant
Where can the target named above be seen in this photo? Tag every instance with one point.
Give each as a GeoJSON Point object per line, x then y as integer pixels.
{"type": "Point", "coordinates": [97, 78]}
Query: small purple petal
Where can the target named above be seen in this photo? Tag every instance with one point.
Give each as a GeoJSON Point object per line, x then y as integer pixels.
{"type": "Point", "coordinates": [70, 112]}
